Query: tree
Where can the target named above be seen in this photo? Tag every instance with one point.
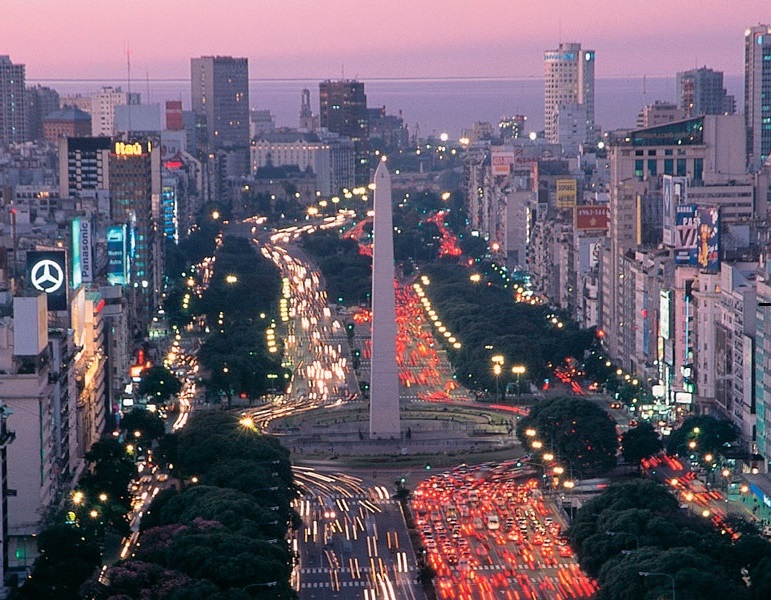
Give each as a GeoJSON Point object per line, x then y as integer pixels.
{"type": "Point", "coordinates": [149, 425]}
{"type": "Point", "coordinates": [576, 431]}
{"type": "Point", "coordinates": [65, 561]}
{"type": "Point", "coordinates": [159, 384]}
{"type": "Point", "coordinates": [710, 435]}
{"type": "Point", "coordinates": [640, 442]}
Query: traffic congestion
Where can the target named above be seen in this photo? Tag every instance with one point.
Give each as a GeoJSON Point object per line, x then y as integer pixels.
{"type": "Point", "coordinates": [489, 532]}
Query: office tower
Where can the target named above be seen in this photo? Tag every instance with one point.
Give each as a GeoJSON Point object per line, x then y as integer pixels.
{"type": "Point", "coordinates": [384, 380]}
{"type": "Point", "coordinates": [701, 92]}
{"type": "Point", "coordinates": [220, 97]}
{"type": "Point", "coordinates": [135, 192]}
{"type": "Point", "coordinates": [757, 83]}
{"type": "Point", "coordinates": [103, 105]}
{"type": "Point", "coordinates": [569, 80]}
{"type": "Point", "coordinates": [41, 102]}
{"type": "Point", "coordinates": [343, 110]}
{"type": "Point", "coordinates": [83, 166]}
{"type": "Point", "coordinates": [13, 105]}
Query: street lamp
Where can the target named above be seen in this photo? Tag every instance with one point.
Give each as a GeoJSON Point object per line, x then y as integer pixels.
{"type": "Point", "coordinates": [672, 579]}
{"type": "Point", "coordinates": [497, 369]}
{"type": "Point", "coordinates": [518, 370]}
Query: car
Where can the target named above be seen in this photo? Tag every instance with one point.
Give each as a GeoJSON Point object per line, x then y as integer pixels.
{"type": "Point", "coordinates": [615, 404]}
{"type": "Point", "coordinates": [633, 423]}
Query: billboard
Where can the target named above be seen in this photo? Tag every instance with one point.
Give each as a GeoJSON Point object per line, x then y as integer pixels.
{"type": "Point", "coordinates": [117, 256]}
{"type": "Point", "coordinates": [567, 190]}
{"type": "Point", "coordinates": [86, 251]}
{"type": "Point", "coordinates": [697, 236]}
{"type": "Point", "coordinates": [591, 217]}
{"type": "Point", "coordinates": [501, 162]}
{"type": "Point", "coordinates": [686, 234]}
{"type": "Point", "coordinates": [47, 272]}
{"type": "Point", "coordinates": [708, 254]}
{"type": "Point", "coordinates": [674, 192]}
{"type": "Point", "coordinates": [665, 329]}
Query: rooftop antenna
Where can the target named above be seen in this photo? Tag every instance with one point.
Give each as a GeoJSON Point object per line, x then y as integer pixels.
{"type": "Point", "coordinates": [128, 76]}
{"type": "Point", "coordinates": [147, 80]}
{"type": "Point", "coordinates": [559, 30]}
{"type": "Point", "coordinates": [342, 71]}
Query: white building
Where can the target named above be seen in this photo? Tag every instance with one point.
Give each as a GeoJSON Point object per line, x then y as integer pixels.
{"type": "Point", "coordinates": [569, 79]}
{"type": "Point", "coordinates": [103, 105]}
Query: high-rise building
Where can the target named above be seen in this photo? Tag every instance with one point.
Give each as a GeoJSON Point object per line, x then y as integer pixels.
{"type": "Point", "coordinates": [135, 198]}
{"type": "Point", "coordinates": [41, 102]}
{"type": "Point", "coordinates": [220, 95]}
{"type": "Point", "coordinates": [307, 119]}
{"type": "Point", "coordinates": [343, 110]}
{"type": "Point", "coordinates": [701, 92]}
{"type": "Point", "coordinates": [83, 166]}
{"type": "Point", "coordinates": [103, 105]}
{"type": "Point", "coordinates": [13, 106]}
{"type": "Point", "coordinates": [757, 83]}
{"type": "Point", "coordinates": [569, 80]}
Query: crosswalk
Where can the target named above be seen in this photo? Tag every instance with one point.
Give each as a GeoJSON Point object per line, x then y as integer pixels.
{"type": "Point", "coordinates": [326, 570]}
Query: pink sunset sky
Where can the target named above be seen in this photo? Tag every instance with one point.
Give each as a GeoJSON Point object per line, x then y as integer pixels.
{"type": "Point", "coordinates": [63, 39]}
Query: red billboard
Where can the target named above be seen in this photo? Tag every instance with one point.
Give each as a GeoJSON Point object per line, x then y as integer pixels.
{"type": "Point", "coordinates": [592, 217]}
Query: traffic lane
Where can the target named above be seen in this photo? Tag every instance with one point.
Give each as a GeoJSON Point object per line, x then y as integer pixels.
{"type": "Point", "coordinates": [477, 559]}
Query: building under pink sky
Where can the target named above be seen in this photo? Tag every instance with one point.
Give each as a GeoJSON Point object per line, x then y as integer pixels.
{"type": "Point", "coordinates": [78, 39]}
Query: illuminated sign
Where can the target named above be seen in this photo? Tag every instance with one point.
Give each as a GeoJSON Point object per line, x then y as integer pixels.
{"type": "Point", "coordinates": [47, 273]}
{"type": "Point", "coordinates": [567, 190]}
{"type": "Point", "coordinates": [135, 149]}
{"type": "Point", "coordinates": [117, 257]}
{"type": "Point", "coordinates": [674, 191]}
{"type": "Point", "coordinates": [86, 251]}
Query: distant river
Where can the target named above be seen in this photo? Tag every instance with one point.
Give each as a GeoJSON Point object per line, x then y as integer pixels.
{"type": "Point", "coordinates": [435, 105]}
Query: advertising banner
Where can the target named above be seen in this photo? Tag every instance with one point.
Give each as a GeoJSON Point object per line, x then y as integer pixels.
{"type": "Point", "coordinates": [86, 251]}
{"type": "Point", "coordinates": [686, 234]}
{"type": "Point", "coordinates": [697, 236]}
{"type": "Point", "coordinates": [567, 190]}
{"type": "Point", "coordinates": [47, 272]}
{"type": "Point", "coordinates": [501, 162]}
{"type": "Point", "coordinates": [117, 257]}
{"type": "Point", "coordinates": [592, 218]}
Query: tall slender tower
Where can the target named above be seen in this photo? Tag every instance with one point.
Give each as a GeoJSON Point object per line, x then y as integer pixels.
{"type": "Point", "coordinates": [757, 81]}
{"type": "Point", "coordinates": [13, 105]}
{"type": "Point", "coordinates": [384, 380]}
{"type": "Point", "coordinates": [569, 80]}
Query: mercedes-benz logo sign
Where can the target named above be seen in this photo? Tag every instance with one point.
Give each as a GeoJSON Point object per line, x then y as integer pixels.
{"type": "Point", "coordinates": [47, 276]}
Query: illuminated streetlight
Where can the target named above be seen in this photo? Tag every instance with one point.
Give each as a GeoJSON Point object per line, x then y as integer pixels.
{"type": "Point", "coordinates": [231, 279]}
{"type": "Point", "coordinates": [548, 457]}
{"type": "Point", "coordinates": [537, 444]}
{"type": "Point", "coordinates": [77, 498]}
{"type": "Point", "coordinates": [530, 432]}
{"type": "Point", "coordinates": [518, 370]}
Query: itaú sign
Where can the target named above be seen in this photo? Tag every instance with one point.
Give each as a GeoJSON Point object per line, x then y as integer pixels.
{"type": "Point", "coordinates": [135, 149]}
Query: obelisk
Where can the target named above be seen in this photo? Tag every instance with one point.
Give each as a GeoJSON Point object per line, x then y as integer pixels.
{"type": "Point", "coordinates": [384, 377]}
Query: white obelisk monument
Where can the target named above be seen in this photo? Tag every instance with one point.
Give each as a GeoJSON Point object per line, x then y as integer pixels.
{"type": "Point", "coordinates": [384, 377]}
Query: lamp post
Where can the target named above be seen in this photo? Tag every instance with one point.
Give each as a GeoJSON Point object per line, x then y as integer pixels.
{"type": "Point", "coordinates": [672, 579]}
{"type": "Point", "coordinates": [498, 361]}
{"type": "Point", "coordinates": [518, 370]}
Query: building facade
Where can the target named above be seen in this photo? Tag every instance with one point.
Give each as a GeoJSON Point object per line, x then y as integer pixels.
{"type": "Point", "coordinates": [13, 105]}
{"type": "Point", "coordinates": [343, 110]}
{"type": "Point", "coordinates": [757, 87]}
{"type": "Point", "coordinates": [220, 97]}
{"type": "Point", "coordinates": [569, 80]}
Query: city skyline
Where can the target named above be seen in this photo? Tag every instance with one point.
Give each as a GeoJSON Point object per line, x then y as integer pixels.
{"type": "Point", "coordinates": [298, 39]}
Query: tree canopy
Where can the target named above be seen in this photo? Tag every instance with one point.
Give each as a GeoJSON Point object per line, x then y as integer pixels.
{"type": "Point", "coordinates": [579, 433]}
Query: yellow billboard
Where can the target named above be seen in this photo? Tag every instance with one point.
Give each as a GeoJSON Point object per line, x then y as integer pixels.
{"type": "Point", "coordinates": [567, 190]}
